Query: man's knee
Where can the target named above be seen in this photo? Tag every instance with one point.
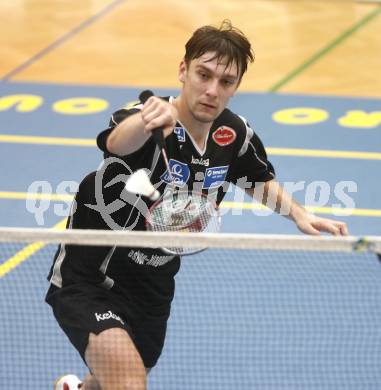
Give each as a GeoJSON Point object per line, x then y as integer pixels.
{"type": "Point", "coordinates": [129, 384]}
{"type": "Point", "coordinates": [112, 357]}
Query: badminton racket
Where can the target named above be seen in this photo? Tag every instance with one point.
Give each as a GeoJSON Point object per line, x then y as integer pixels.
{"type": "Point", "coordinates": [183, 211]}
{"type": "Point", "coordinates": [157, 134]}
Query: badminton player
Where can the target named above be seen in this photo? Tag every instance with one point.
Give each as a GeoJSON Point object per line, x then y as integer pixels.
{"type": "Point", "coordinates": [113, 303]}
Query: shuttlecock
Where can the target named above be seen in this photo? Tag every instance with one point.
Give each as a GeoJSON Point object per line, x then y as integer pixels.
{"type": "Point", "coordinates": [139, 183]}
{"type": "Point", "coordinates": [68, 382]}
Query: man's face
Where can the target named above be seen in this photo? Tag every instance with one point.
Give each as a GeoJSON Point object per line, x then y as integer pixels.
{"type": "Point", "coordinates": [207, 86]}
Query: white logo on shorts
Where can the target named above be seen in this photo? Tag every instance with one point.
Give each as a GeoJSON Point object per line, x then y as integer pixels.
{"type": "Point", "coordinates": [107, 316]}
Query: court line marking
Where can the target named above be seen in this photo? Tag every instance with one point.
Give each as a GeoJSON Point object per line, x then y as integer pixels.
{"type": "Point", "coordinates": [337, 211]}
{"type": "Point", "coordinates": [342, 37]}
{"type": "Point", "coordinates": [24, 254]}
{"type": "Point", "coordinates": [60, 141]}
{"type": "Point", "coordinates": [89, 142]}
{"type": "Point", "coordinates": [12, 195]}
{"type": "Point", "coordinates": [351, 154]}
{"type": "Point", "coordinates": [87, 22]}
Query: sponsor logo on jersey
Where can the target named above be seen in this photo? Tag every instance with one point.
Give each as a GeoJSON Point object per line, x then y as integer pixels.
{"type": "Point", "coordinates": [180, 133]}
{"type": "Point", "coordinates": [107, 316]}
{"type": "Point", "coordinates": [153, 260]}
{"type": "Point", "coordinates": [224, 136]}
{"type": "Point", "coordinates": [179, 171]}
{"type": "Point", "coordinates": [215, 176]}
{"type": "Point", "coordinates": [200, 161]}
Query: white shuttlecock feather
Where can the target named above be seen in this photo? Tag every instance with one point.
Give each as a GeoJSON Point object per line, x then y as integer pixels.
{"type": "Point", "coordinates": [67, 382]}
{"type": "Point", "coordinates": [139, 183]}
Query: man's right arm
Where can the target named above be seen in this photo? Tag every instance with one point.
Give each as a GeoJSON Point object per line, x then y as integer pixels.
{"type": "Point", "coordinates": [128, 136]}
{"type": "Point", "coordinates": [132, 133]}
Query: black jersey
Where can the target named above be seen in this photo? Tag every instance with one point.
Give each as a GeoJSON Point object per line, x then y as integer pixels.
{"type": "Point", "coordinates": [232, 153]}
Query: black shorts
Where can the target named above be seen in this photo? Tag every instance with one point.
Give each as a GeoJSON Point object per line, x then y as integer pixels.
{"type": "Point", "coordinates": [81, 309]}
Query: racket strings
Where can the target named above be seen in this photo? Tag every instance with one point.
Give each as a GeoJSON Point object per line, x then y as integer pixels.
{"type": "Point", "coordinates": [184, 212]}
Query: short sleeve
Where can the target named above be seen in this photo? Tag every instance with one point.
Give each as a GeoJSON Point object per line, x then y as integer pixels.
{"type": "Point", "coordinates": [116, 118]}
{"type": "Point", "coordinates": [251, 165]}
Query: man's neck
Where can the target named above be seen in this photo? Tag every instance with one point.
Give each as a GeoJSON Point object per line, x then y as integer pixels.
{"type": "Point", "coordinates": [198, 130]}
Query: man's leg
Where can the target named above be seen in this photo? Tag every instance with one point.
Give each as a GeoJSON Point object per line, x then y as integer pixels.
{"type": "Point", "coordinates": [116, 364]}
{"type": "Point", "coordinates": [90, 383]}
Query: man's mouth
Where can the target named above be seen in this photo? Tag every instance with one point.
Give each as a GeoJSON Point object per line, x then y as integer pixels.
{"type": "Point", "coordinates": [210, 106]}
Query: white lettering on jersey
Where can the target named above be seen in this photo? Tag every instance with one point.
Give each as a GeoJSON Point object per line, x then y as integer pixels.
{"type": "Point", "coordinates": [108, 315]}
{"type": "Point", "coordinates": [154, 260]}
{"type": "Point", "coordinates": [200, 161]}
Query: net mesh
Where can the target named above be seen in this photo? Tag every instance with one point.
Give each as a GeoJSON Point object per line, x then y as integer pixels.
{"type": "Point", "coordinates": [184, 212]}
{"type": "Point", "coordinates": [273, 315]}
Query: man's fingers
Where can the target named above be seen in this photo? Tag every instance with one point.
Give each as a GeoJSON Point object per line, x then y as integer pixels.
{"type": "Point", "coordinates": [311, 230]}
{"type": "Point", "coordinates": [334, 227]}
{"type": "Point", "coordinates": [329, 227]}
{"type": "Point", "coordinates": [158, 113]}
{"type": "Point", "coordinates": [338, 228]}
{"type": "Point", "coordinates": [150, 115]}
{"type": "Point", "coordinates": [151, 101]}
{"type": "Point", "coordinates": [308, 228]}
{"type": "Point", "coordinates": [167, 126]}
{"type": "Point", "coordinates": [344, 229]}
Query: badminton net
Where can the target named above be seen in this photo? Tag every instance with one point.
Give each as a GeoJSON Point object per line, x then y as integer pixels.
{"type": "Point", "coordinates": [251, 312]}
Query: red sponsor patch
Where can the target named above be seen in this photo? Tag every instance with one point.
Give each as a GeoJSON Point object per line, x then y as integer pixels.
{"type": "Point", "coordinates": [224, 136]}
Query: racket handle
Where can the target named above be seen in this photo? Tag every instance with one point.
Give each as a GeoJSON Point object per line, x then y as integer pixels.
{"type": "Point", "coordinates": [157, 134]}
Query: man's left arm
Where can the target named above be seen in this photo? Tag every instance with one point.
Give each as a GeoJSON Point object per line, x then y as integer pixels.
{"type": "Point", "coordinates": [272, 195]}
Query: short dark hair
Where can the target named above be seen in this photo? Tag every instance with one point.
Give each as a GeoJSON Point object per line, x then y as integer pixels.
{"type": "Point", "coordinates": [226, 41]}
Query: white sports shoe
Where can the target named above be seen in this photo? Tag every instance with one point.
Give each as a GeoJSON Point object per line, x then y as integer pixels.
{"type": "Point", "coordinates": [68, 382]}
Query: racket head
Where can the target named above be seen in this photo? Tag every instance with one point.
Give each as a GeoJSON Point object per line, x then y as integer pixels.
{"type": "Point", "coordinates": [184, 211]}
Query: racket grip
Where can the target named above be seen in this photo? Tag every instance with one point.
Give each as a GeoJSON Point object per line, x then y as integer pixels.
{"type": "Point", "coordinates": [157, 134]}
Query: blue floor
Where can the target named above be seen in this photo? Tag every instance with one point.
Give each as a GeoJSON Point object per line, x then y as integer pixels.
{"type": "Point", "coordinates": [250, 321]}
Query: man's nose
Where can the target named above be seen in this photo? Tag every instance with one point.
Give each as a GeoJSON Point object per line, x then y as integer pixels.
{"type": "Point", "coordinates": [212, 89]}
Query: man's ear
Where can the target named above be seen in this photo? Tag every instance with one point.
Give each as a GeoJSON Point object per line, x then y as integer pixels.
{"type": "Point", "coordinates": [182, 70]}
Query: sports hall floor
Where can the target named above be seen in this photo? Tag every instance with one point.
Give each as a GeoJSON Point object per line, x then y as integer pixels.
{"type": "Point", "coordinates": [313, 95]}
